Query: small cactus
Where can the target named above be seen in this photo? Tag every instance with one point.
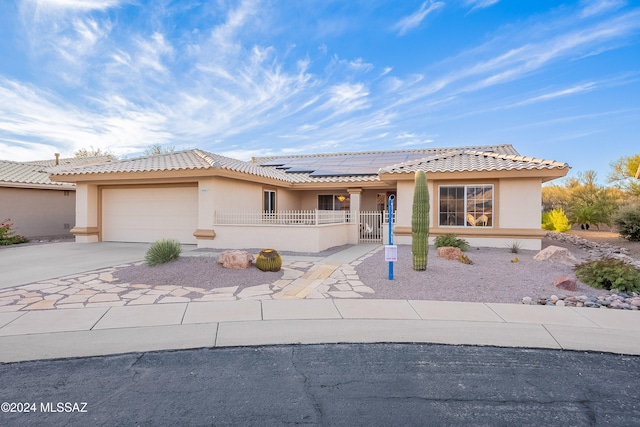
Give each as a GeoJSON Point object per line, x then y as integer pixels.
{"type": "Point", "coordinates": [269, 260]}
{"type": "Point", "coordinates": [515, 259]}
{"type": "Point", "coordinates": [465, 259]}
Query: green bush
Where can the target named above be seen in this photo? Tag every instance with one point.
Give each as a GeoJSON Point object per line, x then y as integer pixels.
{"type": "Point", "coordinates": [451, 240]}
{"type": "Point", "coordinates": [628, 224]}
{"type": "Point", "coordinates": [555, 220]}
{"type": "Point", "coordinates": [609, 273]}
{"type": "Point", "coordinates": [8, 236]}
{"type": "Point", "coordinates": [162, 251]}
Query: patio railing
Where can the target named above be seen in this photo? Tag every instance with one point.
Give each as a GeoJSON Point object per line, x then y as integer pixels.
{"type": "Point", "coordinates": [292, 217]}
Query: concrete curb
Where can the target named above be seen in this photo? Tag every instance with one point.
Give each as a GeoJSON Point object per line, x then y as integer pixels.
{"type": "Point", "coordinates": [113, 330]}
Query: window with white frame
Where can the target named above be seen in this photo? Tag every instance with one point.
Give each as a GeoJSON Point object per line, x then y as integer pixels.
{"type": "Point", "coordinates": [334, 202]}
{"type": "Point", "coordinates": [269, 203]}
{"type": "Point", "coordinates": [465, 206]}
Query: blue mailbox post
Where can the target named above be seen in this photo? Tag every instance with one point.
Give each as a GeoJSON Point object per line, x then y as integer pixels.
{"type": "Point", "coordinates": [391, 250]}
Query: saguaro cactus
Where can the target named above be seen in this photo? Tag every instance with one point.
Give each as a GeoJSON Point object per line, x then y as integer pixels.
{"type": "Point", "coordinates": [420, 222]}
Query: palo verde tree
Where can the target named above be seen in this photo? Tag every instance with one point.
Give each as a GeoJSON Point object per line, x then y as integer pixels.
{"type": "Point", "coordinates": [589, 202]}
{"type": "Point", "coordinates": [623, 174]}
{"type": "Point", "coordinates": [420, 222]}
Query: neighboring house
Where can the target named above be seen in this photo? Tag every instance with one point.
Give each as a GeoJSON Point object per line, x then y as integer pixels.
{"type": "Point", "coordinates": [37, 206]}
{"type": "Point", "coordinates": [490, 195]}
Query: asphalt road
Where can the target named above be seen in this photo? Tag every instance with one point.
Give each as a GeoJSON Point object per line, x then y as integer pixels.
{"type": "Point", "coordinates": [346, 384]}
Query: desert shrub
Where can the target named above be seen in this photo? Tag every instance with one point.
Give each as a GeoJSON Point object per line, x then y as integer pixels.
{"type": "Point", "coordinates": [162, 251]}
{"type": "Point", "coordinates": [465, 259]}
{"type": "Point", "coordinates": [451, 240]}
{"type": "Point", "coordinates": [628, 224]}
{"type": "Point", "coordinates": [555, 220]}
{"type": "Point", "coordinates": [514, 247]}
{"type": "Point", "coordinates": [609, 273]}
{"type": "Point", "coordinates": [8, 235]}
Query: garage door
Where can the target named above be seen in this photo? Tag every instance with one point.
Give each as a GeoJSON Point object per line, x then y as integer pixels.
{"type": "Point", "coordinates": [149, 214]}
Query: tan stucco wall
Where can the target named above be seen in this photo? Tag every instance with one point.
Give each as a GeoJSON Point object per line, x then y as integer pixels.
{"type": "Point", "coordinates": [37, 212]}
{"type": "Point", "coordinates": [236, 195]}
{"type": "Point", "coordinates": [282, 237]}
{"type": "Point", "coordinates": [286, 200]}
{"type": "Point", "coordinates": [520, 203]}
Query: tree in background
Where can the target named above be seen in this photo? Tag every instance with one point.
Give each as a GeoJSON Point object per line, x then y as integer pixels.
{"type": "Point", "coordinates": [156, 149]}
{"type": "Point", "coordinates": [590, 203]}
{"type": "Point", "coordinates": [91, 152]}
{"type": "Point", "coordinates": [623, 174]}
{"type": "Point", "coordinates": [555, 197]}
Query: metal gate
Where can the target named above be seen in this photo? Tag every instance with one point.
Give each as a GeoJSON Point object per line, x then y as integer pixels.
{"type": "Point", "coordinates": [370, 227]}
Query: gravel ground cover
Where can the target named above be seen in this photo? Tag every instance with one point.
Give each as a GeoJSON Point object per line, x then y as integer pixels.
{"type": "Point", "coordinates": [493, 277]}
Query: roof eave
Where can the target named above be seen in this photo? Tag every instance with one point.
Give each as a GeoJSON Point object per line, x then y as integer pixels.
{"type": "Point", "coordinates": [61, 186]}
{"type": "Point", "coordinates": [544, 174]}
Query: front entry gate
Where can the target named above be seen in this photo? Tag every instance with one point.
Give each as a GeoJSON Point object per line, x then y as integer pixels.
{"type": "Point", "coordinates": [370, 227]}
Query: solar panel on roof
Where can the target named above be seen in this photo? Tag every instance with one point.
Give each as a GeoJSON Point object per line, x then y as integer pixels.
{"type": "Point", "coordinates": [345, 164]}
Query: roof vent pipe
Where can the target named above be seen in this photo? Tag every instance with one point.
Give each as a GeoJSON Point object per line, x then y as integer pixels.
{"type": "Point", "coordinates": [57, 158]}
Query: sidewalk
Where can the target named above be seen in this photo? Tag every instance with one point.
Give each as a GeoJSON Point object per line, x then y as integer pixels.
{"type": "Point", "coordinates": [111, 330]}
{"type": "Point", "coordinates": [286, 317]}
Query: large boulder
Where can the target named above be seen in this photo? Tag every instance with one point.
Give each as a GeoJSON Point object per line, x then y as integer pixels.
{"type": "Point", "coordinates": [237, 260]}
{"type": "Point", "coordinates": [449, 252]}
{"type": "Point", "coordinates": [556, 254]}
{"type": "Point", "coordinates": [567, 283]}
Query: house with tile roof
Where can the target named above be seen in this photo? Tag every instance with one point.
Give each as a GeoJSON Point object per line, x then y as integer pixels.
{"type": "Point", "coordinates": [489, 195]}
{"type": "Point", "coordinates": [37, 206]}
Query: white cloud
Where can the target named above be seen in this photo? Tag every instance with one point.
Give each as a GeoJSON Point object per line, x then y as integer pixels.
{"type": "Point", "coordinates": [347, 97]}
{"type": "Point", "coordinates": [30, 114]}
{"type": "Point", "coordinates": [586, 87]}
{"type": "Point", "coordinates": [480, 4]}
{"type": "Point", "coordinates": [78, 5]}
{"type": "Point", "coordinates": [414, 20]}
{"type": "Point", "coordinates": [597, 7]}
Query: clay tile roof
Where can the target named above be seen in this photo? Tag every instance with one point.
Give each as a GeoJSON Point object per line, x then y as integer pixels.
{"type": "Point", "coordinates": [17, 174]}
{"type": "Point", "coordinates": [471, 160]}
{"type": "Point", "coordinates": [325, 168]}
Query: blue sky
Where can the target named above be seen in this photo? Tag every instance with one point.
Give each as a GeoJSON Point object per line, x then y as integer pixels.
{"type": "Point", "coordinates": [557, 79]}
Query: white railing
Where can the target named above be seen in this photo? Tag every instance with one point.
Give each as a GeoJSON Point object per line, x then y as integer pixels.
{"type": "Point", "coordinates": [294, 217]}
{"type": "Point", "coordinates": [385, 218]}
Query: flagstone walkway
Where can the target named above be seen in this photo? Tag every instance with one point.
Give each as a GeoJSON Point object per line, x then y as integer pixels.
{"type": "Point", "coordinates": [300, 280]}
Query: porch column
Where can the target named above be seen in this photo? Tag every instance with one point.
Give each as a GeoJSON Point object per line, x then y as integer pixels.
{"type": "Point", "coordinates": [86, 228]}
{"type": "Point", "coordinates": [206, 210]}
{"type": "Point", "coordinates": [354, 196]}
{"type": "Point", "coordinates": [354, 211]}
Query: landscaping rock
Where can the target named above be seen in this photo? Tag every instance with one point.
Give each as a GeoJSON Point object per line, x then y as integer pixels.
{"type": "Point", "coordinates": [567, 283]}
{"type": "Point", "coordinates": [596, 250]}
{"type": "Point", "coordinates": [556, 254]}
{"type": "Point", "coordinates": [237, 260]}
{"type": "Point", "coordinates": [449, 252]}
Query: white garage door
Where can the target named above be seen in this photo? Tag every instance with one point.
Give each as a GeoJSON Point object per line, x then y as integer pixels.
{"type": "Point", "coordinates": [149, 214]}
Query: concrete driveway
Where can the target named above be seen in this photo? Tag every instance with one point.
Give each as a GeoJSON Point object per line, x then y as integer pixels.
{"type": "Point", "coordinates": [20, 265]}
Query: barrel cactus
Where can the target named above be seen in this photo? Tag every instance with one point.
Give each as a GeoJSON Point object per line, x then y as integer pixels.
{"type": "Point", "coordinates": [269, 260]}
{"type": "Point", "coordinates": [420, 222]}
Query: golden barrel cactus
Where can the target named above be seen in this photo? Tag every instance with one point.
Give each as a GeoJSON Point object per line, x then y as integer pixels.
{"type": "Point", "coordinates": [269, 260]}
